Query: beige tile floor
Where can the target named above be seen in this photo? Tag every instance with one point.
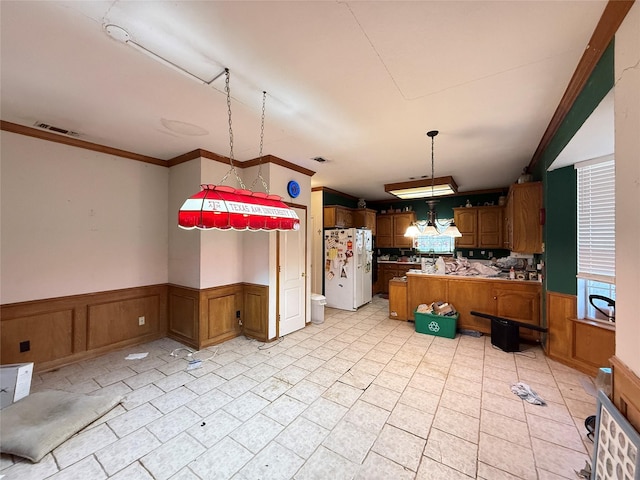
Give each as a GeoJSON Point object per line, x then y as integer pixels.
{"type": "Point", "coordinates": [358, 396]}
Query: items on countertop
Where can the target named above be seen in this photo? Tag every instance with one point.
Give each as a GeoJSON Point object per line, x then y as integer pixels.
{"type": "Point", "coordinates": [462, 266]}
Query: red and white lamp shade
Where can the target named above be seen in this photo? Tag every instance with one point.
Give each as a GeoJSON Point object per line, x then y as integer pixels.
{"type": "Point", "coordinates": [226, 208]}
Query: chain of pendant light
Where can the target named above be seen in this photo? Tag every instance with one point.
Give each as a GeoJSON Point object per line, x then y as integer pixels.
{"type": "Point", "coordinates": [432, 161]}
{"type": "Point", "coordinates": [227, 90]}
{"type": "Point", "coordinates": [264, 183]}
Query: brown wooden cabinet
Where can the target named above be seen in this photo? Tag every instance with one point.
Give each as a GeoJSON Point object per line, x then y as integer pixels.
{"type": "Point", "coordinates": [390, 230]}
{"type": "Point", "coordinates": [425, 289]}
{"type": "Point", "coordinates": [387, 271]}
{"type": "Point", "coordinates": [523, 226]}
{"type": "Point", "coordinates": [365, 217]}
{"type": "Point", "coordinates": [337, 216]}
{"type": "Point", "coordinates": [467, 222]}
{"type": "Point", "coordinates": [398, 299]}
{"type": "Point", "coordinates": [481, 227]}
{"type": "Point", "coordinates": [490, 227]}
{"type": "Point", "coordinates": [517, 300]}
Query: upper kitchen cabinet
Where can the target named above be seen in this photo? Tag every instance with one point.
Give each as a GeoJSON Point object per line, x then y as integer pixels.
{"type": "Point", "coordinates": [523, 218]}
{"type": "Point", "coordinates": [390, 230]}
{"type": "Point", "coordinates": [481, 227]}
{"type": "Point", "coordinates": [365, 217]}
{"type": "Point", "coordinates": [337, 216]}
{"type": "Point", "coordinates": [467, 222]}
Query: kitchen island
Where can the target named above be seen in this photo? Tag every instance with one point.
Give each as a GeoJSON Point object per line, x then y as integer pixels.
{"type": "Point", "coordinates": [515, 299]}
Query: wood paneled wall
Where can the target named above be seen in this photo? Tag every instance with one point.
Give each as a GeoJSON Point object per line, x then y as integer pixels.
{"type": "Point", "coordinates": [582, 344]}
{"type": "Point", "coordinates": [626, 392]}
{"type": "Point", "coordinates": [61, 331]}
{"type": "Point", "coordinates": [201, 318]}
{"type": "Point", "coordinates": [64, 330]}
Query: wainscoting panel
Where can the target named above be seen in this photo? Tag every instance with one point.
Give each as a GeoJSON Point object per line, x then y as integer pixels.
{"type": "Point", "coordinates": [60, 331]}
{"type": "Point", "coordinates": [201, 318]}
{"type": "Point", "coordinates": [219, 319]}
{"type": "Point", "coordinates": [593, 343]}
{"type": "Point", "coordinates": [582, 344]}
{"type": "Point", "coordinates": [49, 335]}
{"type": "Point", "coordinates": [560, 307]}
{"type": "Point", "coordinates": [626, 392]}
{"type": "Point", "coordinates": [63, 330]}
{"type": "Point", "coordinates": [113, 322]}
{"type": "Point", "coordinates": [183, 314]}
{"type": "Point", "coordinates": [255, 316]}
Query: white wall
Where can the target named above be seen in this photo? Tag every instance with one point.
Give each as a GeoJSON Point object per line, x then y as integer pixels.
{"type": "Point", "coordinates": [627, 151]}
{"type": "Point", "coordinates": [317, 242]}
{"type": "Point", "coordinates": [221, 252]}
{"type": "Point", "coordinates": [184, 245]}
{"type": "Point", "coordinates": [256, 245]}
{"type": "Point", "coordinates": [76, 221]}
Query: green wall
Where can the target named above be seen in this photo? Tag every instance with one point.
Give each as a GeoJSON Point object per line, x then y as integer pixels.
{"type": "Point", "coordinates": [560, 185]}
{"type": "Point", "coordinates": [444, 208]}
{"type": "Point", "coordinates": [329, 198]}
{"type": "Point", "coordinates": [561, 218]}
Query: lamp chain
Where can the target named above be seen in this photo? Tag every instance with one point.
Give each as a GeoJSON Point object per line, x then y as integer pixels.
{"type": "Point", "coordinates": [227, 90]}
{"type": "Point", "coordinates": [432, 168]}
{"type": "Point", "coordinates": [264, 183]}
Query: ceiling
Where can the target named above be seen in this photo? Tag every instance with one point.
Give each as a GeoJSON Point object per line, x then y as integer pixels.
{"type": "Point", "coordinates": [357, 83]}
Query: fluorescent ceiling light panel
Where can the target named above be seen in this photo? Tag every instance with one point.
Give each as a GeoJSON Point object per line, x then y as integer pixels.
{"type": "Point", "coordinates": [422, 188]}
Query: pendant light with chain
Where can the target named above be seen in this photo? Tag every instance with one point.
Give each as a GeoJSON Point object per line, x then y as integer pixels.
{"type": "Point", "coordinates": [226, 208]}
{"type": "Point", "coordinates": [430, 228]}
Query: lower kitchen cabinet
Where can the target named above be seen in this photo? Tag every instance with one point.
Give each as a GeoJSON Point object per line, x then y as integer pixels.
{"type": "Point", "coordinates": [513, 299]}
{"type": "Point", "coordinates": [398, 299]}
{"type": "Point", "coordinates": [387, 271]}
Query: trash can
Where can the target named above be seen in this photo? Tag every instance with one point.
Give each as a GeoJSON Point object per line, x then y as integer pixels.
{"type": "Point", "coordinates": [317, 308]}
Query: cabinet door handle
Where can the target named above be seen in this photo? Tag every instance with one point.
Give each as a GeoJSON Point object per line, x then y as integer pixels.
{"type": "Point", "coordinates": [495, 298]}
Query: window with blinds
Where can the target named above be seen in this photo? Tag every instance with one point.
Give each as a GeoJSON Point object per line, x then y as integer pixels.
{"type": "Point", "coordinates": [596, 220]}
{"type": "Point", "coordinates": [596, 236]}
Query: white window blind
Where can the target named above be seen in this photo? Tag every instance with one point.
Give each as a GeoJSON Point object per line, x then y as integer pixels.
{"type": "Point", "coordinates": [596, 220]}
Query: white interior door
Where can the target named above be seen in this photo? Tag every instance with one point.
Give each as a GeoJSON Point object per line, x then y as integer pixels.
{"type": "Point", "coordinates": [292, 275]}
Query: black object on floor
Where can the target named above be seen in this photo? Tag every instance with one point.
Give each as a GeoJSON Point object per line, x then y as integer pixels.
{"type": "Point", "coordinates": [505, 333]}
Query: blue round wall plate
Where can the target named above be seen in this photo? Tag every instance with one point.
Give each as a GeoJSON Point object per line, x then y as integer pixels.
{"type": "Point", "coordinates": [293, 189]}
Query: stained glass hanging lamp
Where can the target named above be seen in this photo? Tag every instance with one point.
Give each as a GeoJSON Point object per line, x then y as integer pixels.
{"type": "Point", "coordinates": [226, 208]}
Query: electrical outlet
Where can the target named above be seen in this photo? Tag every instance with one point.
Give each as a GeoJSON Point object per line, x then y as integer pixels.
{"type": "Point", "coordinates": [141, 321]}
{"type": "Point", "coordinates": [470, 253]}
{"type": "Point", "coordinates": [25, 346]}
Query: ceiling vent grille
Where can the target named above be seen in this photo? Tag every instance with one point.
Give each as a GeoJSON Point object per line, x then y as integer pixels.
{"type": "Point", "coordinates": [62, 131]}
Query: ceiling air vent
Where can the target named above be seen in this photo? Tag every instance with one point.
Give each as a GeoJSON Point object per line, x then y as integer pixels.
{"type": "Point", "coordinates": [62, 131]}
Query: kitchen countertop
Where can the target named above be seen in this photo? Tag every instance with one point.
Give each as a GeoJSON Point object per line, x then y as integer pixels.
{"type": "Point", "coordinates": [399, 262]}
{"type": "Point", "coordinates": [500, 277]}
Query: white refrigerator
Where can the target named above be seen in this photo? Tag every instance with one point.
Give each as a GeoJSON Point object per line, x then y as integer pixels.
{"type": "Point", "coordinates": [348, 257]}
